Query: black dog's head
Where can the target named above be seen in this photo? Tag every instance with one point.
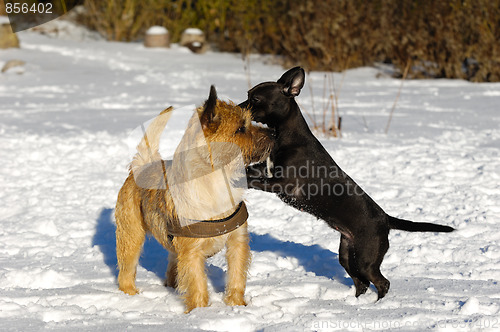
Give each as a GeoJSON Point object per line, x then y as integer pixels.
{"type": "Point", "coordinates": [271, 102]}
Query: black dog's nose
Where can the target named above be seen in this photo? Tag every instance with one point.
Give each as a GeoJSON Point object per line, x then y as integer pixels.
{"type": "Point", "coordinates": [244, 104]}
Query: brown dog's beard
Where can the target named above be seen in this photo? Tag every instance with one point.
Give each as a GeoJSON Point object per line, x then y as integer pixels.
{"type": "Point", "coordinates": [262, 147]}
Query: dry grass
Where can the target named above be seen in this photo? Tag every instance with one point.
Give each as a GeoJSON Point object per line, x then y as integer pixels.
{"type": "Point", "coordinates": [450, 38]}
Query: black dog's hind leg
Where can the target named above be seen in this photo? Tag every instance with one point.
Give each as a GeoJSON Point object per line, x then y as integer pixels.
{"type": "Point", "coordinates": [369, 254]}
{"type": "Point", "coordinates": [348, 260]}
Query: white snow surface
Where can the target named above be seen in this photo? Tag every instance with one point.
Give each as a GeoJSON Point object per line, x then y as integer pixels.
{"type": "Point", "coordinates": [64, 126]}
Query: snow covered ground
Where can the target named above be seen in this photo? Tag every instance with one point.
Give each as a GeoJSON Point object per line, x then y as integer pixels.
{"type": "Point", "coordinates": [65, 117]}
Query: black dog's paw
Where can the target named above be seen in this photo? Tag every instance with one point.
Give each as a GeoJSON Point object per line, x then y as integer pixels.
{"type": "Point", "coordinates": [361, 286]}
{"type": "Point", "coordinates": [257, 170]}
{"type": "Point", "coordinates": [256, 180]}
{"type": "Point", "coordinates": [383, 288]}
{"type": "Point", "coordinates": [360, 290]}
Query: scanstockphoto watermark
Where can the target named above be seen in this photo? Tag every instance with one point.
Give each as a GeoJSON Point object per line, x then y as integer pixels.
{"type": "Point", "coordinates": [387, 324]}
{"type": "Point", "coordinates": [310, 170]}
{"type": "Point", "coordinates": [306, 180]}
{"type": "Point", "coordinates": [369, 324]}
{"type": "Point", "coordinates": [307, 190]}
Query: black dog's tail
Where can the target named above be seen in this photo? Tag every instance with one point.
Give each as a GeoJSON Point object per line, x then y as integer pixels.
{"type": "Point", "coordinates": [410, 226]}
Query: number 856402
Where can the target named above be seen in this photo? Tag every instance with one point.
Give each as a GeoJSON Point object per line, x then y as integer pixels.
{"type": "Point", "coordinates": [36, 8]}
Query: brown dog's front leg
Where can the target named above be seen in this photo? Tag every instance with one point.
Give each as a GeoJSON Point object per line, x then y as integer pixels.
{"type": "Point", "coordinates": [238, 261]}
{"type": "Point", "coordinates": [191, 276]}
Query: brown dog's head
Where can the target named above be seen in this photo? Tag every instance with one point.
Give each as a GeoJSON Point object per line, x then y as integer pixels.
{"type": "Point", "coordinates": [225, 122]}
{"type": "Point", "coordinates": [207, 178]}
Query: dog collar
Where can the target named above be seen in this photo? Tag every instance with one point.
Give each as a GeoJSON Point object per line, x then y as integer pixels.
{"type": "Point", "coordinates": [210, 228]}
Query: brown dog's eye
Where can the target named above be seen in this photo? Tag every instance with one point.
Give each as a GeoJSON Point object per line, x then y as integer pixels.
{"type": "Point", "coordinates": [241, 130]}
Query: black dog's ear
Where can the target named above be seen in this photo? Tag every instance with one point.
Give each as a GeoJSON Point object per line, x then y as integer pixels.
{"type": "Point", "coordinates": [209, 109]}
{"type": "Point", "coordinates": [293, 81]}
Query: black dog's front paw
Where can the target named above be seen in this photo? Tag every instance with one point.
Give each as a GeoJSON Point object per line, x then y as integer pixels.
{"type": "Point", "coordinates": [256, 171]}
{"type": "Point", "coordinates": [253, 173]}
{"type": "Point", "coordinates": [256, 180]}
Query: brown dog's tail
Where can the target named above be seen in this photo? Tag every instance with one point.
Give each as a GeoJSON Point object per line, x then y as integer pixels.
{"type": "Point", "coordinates": [147, 150]}
{"type": "Point", "coordinates": [410, 226]}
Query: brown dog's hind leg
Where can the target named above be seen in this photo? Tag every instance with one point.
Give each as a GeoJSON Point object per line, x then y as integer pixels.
{"type": "Point", "coordinates": [347, 260]}
{"type": "Point", "coordinates": [130, 235]}
{"type": "Point", "coordinates": [171, 277]}
{"type": "Point", "coordinates": [129, 241]}
{"type": "Point", "coordinates": [238, 261]}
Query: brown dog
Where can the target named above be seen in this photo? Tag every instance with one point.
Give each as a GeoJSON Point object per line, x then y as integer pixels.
{"type": "Point", "coordinates": [193, 204]}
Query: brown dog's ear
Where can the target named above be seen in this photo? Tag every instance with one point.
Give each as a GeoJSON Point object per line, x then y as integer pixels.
{"type": "Point", "coordinates": [209, 109]}
{"type": "Point", "coordinates": [293, 81]}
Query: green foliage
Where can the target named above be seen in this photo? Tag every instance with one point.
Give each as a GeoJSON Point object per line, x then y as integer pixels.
{"type": "Point", "coordinates": [449, 38]}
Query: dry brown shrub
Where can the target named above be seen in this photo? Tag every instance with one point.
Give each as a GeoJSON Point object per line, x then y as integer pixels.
{"type": "Point", "coordinates": [449, 38]}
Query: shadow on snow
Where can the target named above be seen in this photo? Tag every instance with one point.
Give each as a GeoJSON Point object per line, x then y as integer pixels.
{"type": "Point", "coordinates": [314, 258]}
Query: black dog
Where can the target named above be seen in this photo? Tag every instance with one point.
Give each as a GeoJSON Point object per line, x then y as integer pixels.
{"type": "Point", "coordinates": [305, 176]}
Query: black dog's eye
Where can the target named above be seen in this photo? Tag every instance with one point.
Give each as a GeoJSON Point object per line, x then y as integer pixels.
{"type": "Point", "coordinates": [255, 100]}
{"type": "Point", "coordinates": [241, 130]}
